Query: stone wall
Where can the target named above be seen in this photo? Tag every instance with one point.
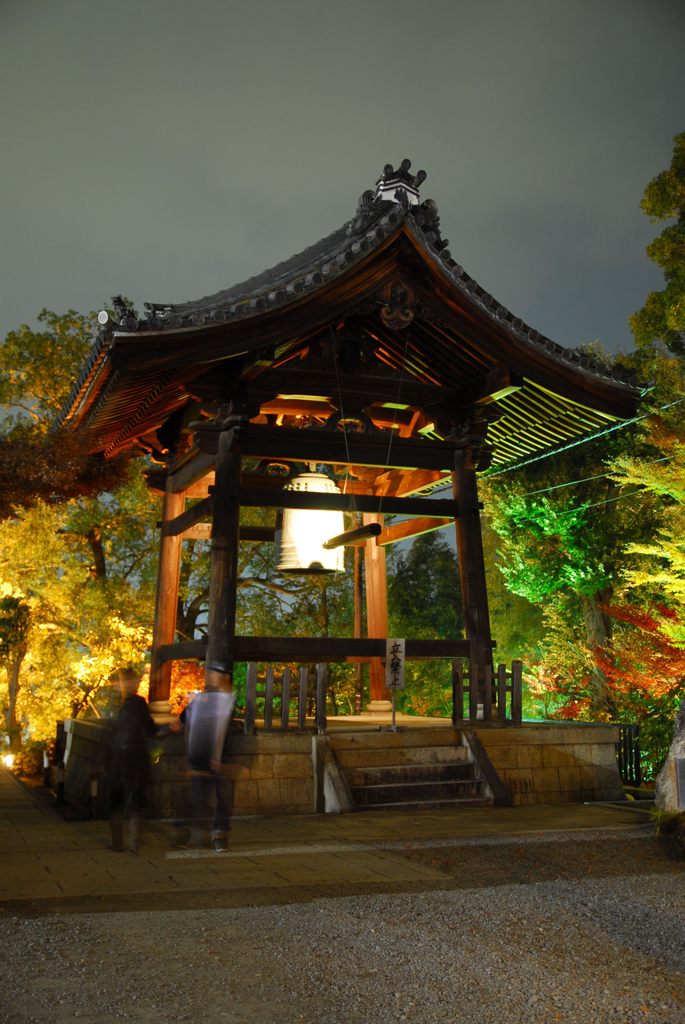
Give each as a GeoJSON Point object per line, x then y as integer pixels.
{"type": "Point", "coordinates": [551, 764]}
{"type": "Point", "coordinates": [86, 756]}
{"type": "Point", "coordinates": [273, 772]}
{"type": "Point", "coordinates": [284, 772]}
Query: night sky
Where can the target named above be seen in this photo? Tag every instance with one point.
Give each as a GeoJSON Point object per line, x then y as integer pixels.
{"type": "Point", "coordinates": [165, 149]}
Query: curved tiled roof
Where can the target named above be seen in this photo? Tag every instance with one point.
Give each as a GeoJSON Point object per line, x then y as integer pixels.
{"type": "Point", "coordinates": [134, 363]}
{"type": "Point", "coordinates": [376, 218]}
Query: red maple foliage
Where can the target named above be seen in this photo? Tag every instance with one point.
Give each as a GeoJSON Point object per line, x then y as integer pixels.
{"type": "Point", "coordinates": [643, 664]}
{"type": "Point", "coordinates": [186, 678]}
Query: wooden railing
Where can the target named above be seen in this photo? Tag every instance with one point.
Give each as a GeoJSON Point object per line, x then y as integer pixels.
{"type": "Point", "coordinates": [284, 698]}
{"type": "Point", "coordinates": [487, 697]}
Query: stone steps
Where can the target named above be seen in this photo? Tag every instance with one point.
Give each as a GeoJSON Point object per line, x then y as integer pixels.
{"type": "Point", "coordinates": [381, 756]}
{"type": "Point", "coordinates": [378, 775]}
{"type": "Point", "coordinates": [429, 805]}
{"type": "Point", "coordinates": [423, 768]}
{"type": "Point", "coordinates": [414, 792]}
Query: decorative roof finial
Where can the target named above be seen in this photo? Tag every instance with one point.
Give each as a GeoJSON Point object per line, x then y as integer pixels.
{"type": "Point", "coordinates": [400, 186]}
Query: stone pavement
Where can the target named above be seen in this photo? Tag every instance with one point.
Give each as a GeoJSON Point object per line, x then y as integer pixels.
{"type": "Point", "coordinates": [50, 864]}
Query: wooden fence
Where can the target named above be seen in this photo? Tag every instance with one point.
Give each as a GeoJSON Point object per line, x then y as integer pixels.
{"type": "Point", "coordinates": [495, 696]}
{"type": "Point", "coordinates": [286, 698]}
{"type": "Point", "coordinates": [628, 754]}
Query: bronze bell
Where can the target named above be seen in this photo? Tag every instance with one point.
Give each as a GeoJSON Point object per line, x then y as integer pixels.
{"type": "Point", "coordinates": [304, 531]}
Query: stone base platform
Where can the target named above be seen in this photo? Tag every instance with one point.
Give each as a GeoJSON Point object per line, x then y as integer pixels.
{"type": "Point", "coordinates": [291, 772]}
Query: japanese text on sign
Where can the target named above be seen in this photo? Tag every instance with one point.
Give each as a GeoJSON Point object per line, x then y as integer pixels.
{"type": "Point", "coordinates": [394, 664]}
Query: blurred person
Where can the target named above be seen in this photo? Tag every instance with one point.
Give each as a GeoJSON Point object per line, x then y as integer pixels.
{"type": "Point", "coordinates": [206, 720]}
{"type": "Point", "coordinates": [129, 768]}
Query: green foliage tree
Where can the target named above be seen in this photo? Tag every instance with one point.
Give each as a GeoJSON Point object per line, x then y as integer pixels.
{"type": "Point", "coordinates": [77, 535]}
{"type": "Point", "coordinates": [662, 318]}
{"type": "Point", "coordinates": [424, 602]}
{"type": "Point", "coordinates": [657, 462]}
{"type": "Point", "coordinates": [655, 585]}
{"type": "Point", "coordinates": [516, 623]}
{"type": "Point", "coordinates": [604, 557]}
{"type": "Point", "coordinates": [38, 368]}
{"type": "Point", "coordinates": [38, 461]}
{"type": "Point", "coordinates": [86, 571]}
{"type": "Point", "coordinates": [565, 527]}
{"type": "Point", "coordinates": [15, 619]}
{"type": "Point", "coordinates": [423, 590]}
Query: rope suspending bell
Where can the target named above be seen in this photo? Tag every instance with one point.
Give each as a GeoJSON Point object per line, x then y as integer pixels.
{"type": "Point", "coordinates": [340, 407]}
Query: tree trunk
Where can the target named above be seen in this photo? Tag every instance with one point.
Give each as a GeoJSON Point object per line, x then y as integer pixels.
{"type": "Point", "coordinates": [99, 568]}
{"type": "Point", "coordinates": [186, 623]}
{"type": "Point", "coordinates": [187, 615]}
{"type": "Point", "coordinates": [598, 633]}
{"type": "Point", "coordinates": [14, 686]}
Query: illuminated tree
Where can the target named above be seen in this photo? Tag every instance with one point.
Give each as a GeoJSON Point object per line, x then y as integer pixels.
{"type": "Point", "coordinates": [657, 467]}
{"type": "Point", "coordinates": [86, 571]}
{"type": "Point", "coordinates": [15, 619]}
{"type": "Point", "coordinates": [37, 371]}
{"type": "Point", "coordinates": [77, 535]}
{"type": "Point", "coordinates": [662, 318]}
{"type": "Point", "coordinates": [565, 527]}
{"type": "Point", "coordinates": [646, 672]}
{"type": "Point", "coordinates": [605, 554]}
{"type": "Point", "coordinates": [424, 601]}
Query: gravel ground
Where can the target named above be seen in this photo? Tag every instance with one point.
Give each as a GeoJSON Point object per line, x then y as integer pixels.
{"type": "Point", "coordinates": [581, 951]}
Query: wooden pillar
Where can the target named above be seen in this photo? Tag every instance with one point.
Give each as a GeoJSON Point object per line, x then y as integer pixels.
{"type": "Point", "coordinates": [376, 612]}
{"type": "Point", "coordinates": [471, 563]}
{"type": "Point", "coordinates": [358, 608]}
{"type": "Point", "coordinates": [223, 579]}
{"type": "Point", "coordinates": [166, 602]}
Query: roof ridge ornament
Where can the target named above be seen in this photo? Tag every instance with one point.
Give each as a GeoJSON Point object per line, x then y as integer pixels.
{"type": "Point", "coordinates": [124, 314]}
{"type": "Point", "coordinates": [394, 187]}
{"type": "Point", "coordinates": [399, 185]}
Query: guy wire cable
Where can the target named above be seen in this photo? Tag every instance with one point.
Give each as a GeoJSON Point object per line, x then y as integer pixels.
{"type": "Point", "coordinates": [586, 479]}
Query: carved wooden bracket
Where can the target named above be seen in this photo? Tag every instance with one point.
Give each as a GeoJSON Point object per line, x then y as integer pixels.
{"type": "Point", "coordinates": [470, 434]}
{"type": "Point", "coordinates": [398, 305]}
{"type": "Point", "coordinates": [234, 418]}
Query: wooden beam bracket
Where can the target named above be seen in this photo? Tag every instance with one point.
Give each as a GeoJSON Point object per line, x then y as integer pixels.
{"type": "Point", "coordinates": [438, 508]}
{"type": "Point", "coordinates": [316, 649]}
{"type": "Point", "coordinates": [202, 510]}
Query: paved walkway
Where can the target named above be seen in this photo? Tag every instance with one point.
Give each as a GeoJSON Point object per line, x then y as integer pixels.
{"type": "Point", "coordinates": [47, 863]}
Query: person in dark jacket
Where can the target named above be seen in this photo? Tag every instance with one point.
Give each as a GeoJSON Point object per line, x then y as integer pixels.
{"type": "Point", "coordinates": [129, 770]}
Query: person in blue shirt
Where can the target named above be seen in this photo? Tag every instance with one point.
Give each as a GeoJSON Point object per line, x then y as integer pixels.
{"type": "Point", "coordinates": [205, 721]}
